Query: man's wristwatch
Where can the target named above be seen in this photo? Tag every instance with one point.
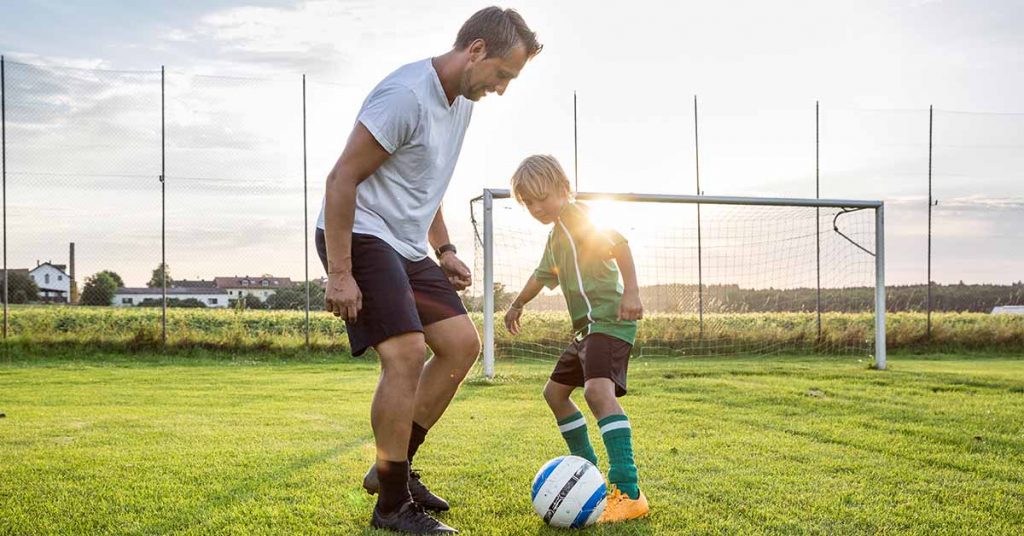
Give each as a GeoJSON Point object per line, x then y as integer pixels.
{"type": "Point", "coordinates": [444, 249]}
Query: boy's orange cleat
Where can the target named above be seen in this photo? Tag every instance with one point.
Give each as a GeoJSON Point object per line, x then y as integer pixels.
{"type": "Point", "coordinates": [621, 508]}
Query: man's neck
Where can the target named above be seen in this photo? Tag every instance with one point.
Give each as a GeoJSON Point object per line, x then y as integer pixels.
{"type": "Point", "coordinates": [449, 70]}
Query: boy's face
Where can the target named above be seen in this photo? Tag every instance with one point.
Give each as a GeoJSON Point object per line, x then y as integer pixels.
{"type": "Point", "coordinates": [547, 208]}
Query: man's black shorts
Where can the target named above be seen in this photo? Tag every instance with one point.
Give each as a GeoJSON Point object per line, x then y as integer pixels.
{"type": "Point", "coordinates": [596, 356]}
{"type": "Point", "coordinates": [399, 295]}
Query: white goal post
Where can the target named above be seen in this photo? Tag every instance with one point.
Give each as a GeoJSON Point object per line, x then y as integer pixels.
{"type": "Point", "coordinates": [486, 243]}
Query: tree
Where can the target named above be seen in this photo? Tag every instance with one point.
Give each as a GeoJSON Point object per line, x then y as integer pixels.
{"type": "Point", "coordinates": [113, 275]}
{"type": "Point", "coordinates": [248, 301]}
{"type": "Point", "coordinates": [502, 299]}
{"type": "Point", "coordinates": [99, 290]}
{"type": "Point", "coordinates": [157, 280]}
{"type": "Point", "coordinates": [20, 288]}
{"type": "Point", "coordinates": [295, 298]}
{"type": "Point", "coordinates": [172, 302]}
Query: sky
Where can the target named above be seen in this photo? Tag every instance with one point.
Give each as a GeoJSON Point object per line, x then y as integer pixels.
{"type": "Point", "coordinates": [83, 119]}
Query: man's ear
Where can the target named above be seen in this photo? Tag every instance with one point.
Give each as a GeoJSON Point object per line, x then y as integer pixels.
{"type": "Point", "coordinates": [477, 50]}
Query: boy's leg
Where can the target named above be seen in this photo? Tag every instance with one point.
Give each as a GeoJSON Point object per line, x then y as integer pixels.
{"type": "Point", "coordinates": [616, 434]}
{"type": "Point", "coordinates": [571, 423]}
{"type": "Point", "coordinates": [605, 361]}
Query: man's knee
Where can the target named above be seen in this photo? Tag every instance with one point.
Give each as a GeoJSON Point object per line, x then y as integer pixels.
{"type": "Point", "coordinates": [403, 355]}
{"type": "Point", "coordinates": [461, 345]}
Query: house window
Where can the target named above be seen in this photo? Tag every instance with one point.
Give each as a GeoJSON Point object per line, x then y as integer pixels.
{"type": "Point", "coordinates": [60, 278]}
{"type": "Point", "coordinates": [126, 300]}
{"type": "Point", "coordinates": [266, 283]}
{"type": "Point", "coordinates": [245, 282]}
{"type": "Point", "coordinates": [212, 301]}
{"type": "Point", "coordinates": [47, 278]}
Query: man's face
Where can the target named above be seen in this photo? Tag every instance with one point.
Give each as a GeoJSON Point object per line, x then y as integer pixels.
{"type": "Point", "coordinates": [485, 75]}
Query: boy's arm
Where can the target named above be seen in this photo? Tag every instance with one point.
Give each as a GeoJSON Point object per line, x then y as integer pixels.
{"type": "Point", "coordinates": [529, 292]}
{"type": "Point", "coordinates": [630, 307]}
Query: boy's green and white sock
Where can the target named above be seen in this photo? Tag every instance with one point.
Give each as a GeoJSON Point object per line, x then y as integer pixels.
{"type": "Point", "coordinates": [618, 440]}
{"type": "Point", "coordinates": [574, 430]}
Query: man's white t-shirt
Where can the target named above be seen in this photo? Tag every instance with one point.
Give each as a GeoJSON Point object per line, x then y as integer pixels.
{"type": "Point", "coordinates": [409, 115]}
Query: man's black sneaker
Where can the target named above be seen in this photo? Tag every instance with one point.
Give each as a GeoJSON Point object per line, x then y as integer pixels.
{"type": "Point", "coordinates": [411, 518]}
{"type": "Point", "coordinates": [419, 492]}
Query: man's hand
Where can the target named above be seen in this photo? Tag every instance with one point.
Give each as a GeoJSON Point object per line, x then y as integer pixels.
{"type": "Point", "coordinates": [457, 272]}
{"type": "Point", "coordinates": [343, 297]}
{"type": "Point", "coordinates": [512, 319]}
{"type": "Point", "coordinates": [630, 307]}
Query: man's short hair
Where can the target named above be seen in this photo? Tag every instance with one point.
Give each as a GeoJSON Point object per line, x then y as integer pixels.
{"type": "Point", "coordinates": [539, 176]}
{"type": "Point", "coordinates": [501, 30]}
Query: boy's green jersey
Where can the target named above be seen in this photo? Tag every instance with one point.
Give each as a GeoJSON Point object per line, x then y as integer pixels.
{"type": "Point", "coordinates": [578, 257]}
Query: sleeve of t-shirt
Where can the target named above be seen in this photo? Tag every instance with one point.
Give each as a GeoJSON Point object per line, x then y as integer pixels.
{"type": "Point", "coordinates": [608, 239]}
{"type": "Point", "coordinates": [391, 114]}
{"type": "Point", "coordinates": [593, 240]}
{"type": "Point", "coordinates": [547, 273]}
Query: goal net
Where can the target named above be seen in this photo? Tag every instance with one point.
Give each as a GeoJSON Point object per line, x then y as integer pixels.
{"type": "Point", "coordinates": [717, 275]}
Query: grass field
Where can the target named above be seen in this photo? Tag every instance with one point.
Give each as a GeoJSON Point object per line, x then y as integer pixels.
{"type": "Point", "coordinates": [138, 329]}
{"type": "Point", "coordinates": [252, 444]}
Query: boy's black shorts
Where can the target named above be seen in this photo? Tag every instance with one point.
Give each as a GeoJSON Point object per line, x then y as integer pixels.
{"type": "Point", "coordinates": [399, 295]}
{"type": "Point", "coordinates": [596, 356]}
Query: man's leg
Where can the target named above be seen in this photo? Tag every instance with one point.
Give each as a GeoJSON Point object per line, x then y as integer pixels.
{"type": "Point", "coordinates": [456, 345]}
{"type": "Point", "coordinates": [401, 359]}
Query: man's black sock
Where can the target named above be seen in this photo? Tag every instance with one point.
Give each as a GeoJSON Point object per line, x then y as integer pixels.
{"type": "Point", "coordinates": [394, 485]}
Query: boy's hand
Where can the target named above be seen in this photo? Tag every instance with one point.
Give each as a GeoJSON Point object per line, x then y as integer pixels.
{"type": "Point", "coordinates": [630, 307]}
{"type": "Point", "coordinates": [457, 271]}
{"type": "Point", "coordinates": [512, 319]}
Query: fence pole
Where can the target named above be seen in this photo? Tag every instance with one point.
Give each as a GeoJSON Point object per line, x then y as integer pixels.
{"type": "Point", "coordinates": [880, 351]}
{"type": "Point", "coordinates": [700, 265]}
{"type": "Point", "coordinates": [929, 329]}
{"type": "Point", "coordinates": [305, 207]}
{"type": "Point", "coordinates": [817, 210]}
{"type": "Point", "coordinates": [163, 212]}
{"type": "Point", "coordinates": [3, 164]}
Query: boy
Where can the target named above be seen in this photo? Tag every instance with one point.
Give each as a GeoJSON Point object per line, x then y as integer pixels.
{"type": "Point", "coordinates": [578, 257]}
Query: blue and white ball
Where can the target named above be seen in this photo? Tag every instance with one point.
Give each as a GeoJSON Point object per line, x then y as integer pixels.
{"type": "Point", "coordinates": [569, 492]}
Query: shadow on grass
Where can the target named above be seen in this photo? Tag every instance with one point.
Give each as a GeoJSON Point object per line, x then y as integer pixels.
{"type": "Point", "coordinates": [200, 517]}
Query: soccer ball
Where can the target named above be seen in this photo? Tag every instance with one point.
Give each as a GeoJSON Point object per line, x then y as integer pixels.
{"type": "Point", "coordinates": [569, 492]}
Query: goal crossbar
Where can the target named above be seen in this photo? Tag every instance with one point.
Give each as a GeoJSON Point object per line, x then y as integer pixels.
{"type": "Point", "coordinates": [489, 195]}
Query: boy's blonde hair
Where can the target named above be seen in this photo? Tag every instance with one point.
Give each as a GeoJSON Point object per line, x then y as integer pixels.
{"type": "Point", "coordinates": [539, 176]}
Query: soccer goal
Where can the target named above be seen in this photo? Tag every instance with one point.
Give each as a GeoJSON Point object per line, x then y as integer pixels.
{"type": "Point", "coordinates": [717, 275]}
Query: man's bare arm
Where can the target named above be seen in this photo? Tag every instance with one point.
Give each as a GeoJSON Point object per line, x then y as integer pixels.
{"type": "Point", "coordinates": [361, 157]}
{"type": "Point", "coordinates": [458, 273]}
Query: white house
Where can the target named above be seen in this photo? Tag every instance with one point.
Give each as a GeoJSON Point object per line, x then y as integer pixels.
{"type": "Point", "coordinates": [130, 297]}
{"type": "Point", "coordinates": [1008, 310]}
{"type": "Point", "coordinates": [261, 287]}
{"type": "Point", "coordinates": [53, 281]}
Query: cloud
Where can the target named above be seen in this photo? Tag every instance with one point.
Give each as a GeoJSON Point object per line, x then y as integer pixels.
{"type": "Point", "coordinates": [306, 37]}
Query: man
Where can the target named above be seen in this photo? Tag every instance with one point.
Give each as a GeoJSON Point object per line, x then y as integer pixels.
{"type": "Point", "coordinates": [382, 207]}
